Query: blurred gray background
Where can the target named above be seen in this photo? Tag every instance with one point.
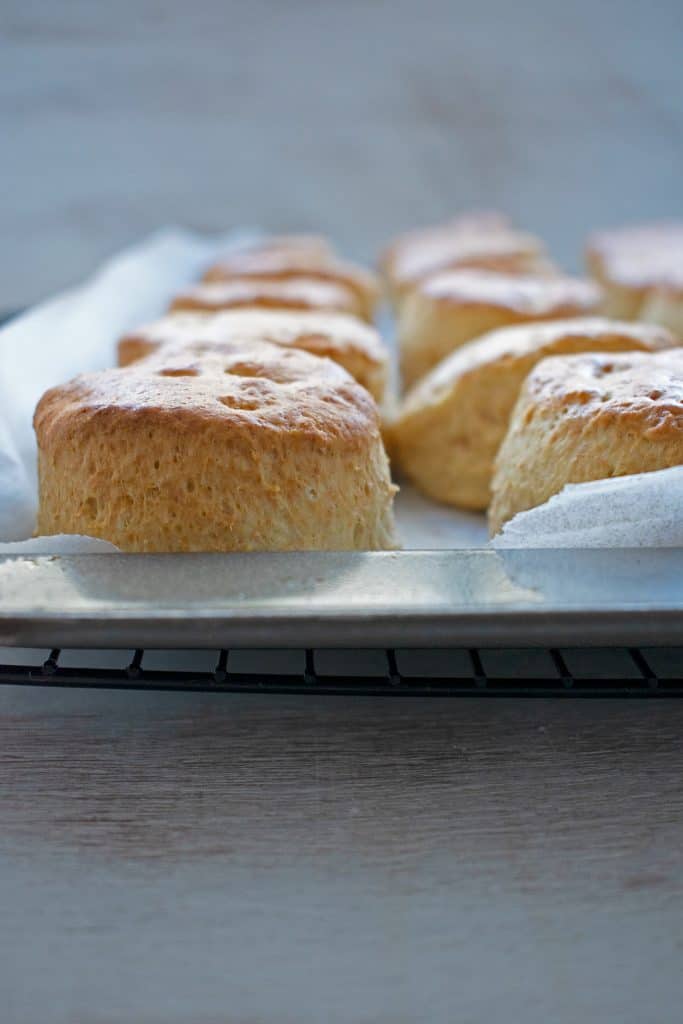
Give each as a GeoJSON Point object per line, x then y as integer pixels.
{"type": "Point", "coordinates": [358, 118]}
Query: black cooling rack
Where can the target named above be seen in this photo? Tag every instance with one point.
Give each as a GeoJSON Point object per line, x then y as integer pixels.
{"type": "Point", "coordinates": [569, 672]}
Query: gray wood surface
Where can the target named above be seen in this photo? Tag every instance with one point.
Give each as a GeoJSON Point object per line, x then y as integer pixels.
{"type": "Point", "coordinates": [173, 858]}
{"type": "Point", "coordinates": [358, 118]}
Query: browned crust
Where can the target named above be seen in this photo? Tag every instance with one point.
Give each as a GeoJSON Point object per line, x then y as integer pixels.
{"type": "Point", "coordinates": [354, 344]}
{"type": "Point", "coordinates": [639, 258]}
{"type": "Point", "coordinates": [283, 265]}
{"type": "Point", "coordinates": [253, 385]}
{"type": "Point", "coordinates": [294, 293]}
{"type": "Point", "coordinates": [588, 417]}
{"type": "Point", "coordinates": [527, 296]}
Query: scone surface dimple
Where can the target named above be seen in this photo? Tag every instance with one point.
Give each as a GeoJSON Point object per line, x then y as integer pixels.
{"type": "Point", "coordinates": [649, 388]}
{"type": "Point", "coordinates": [589, 417]}
{"type": "Point", "coordinates": [245, 382]}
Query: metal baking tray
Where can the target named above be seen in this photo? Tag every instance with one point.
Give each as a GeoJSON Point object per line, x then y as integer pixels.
{"type": "Point", "coordinates": [466, 598]}
{"type": "Point", "coordinates": [446, 598]}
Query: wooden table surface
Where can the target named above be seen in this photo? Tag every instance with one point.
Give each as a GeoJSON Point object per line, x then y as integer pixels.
{"type": "Point", "coordinates": [208, 858]}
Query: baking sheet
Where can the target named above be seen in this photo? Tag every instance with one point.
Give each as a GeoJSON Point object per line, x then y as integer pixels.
{"type": "Point", "coordinates": [343, 599]}
{"type": "Point", "coordinates": [78, 330]}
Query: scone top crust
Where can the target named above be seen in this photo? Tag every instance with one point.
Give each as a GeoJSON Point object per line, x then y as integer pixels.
{"type": "Point", "coordinates": [314, 246]}
{"type": "Point", "coordinates": [642, 257]}
{"type": "Point", "coordinates": [326, 334]}
{"type": "Point", "coordinates": [644, 389]}
{"type": "Point", "coordinates": [473, 223]}
{"type": "Point", "coordinates": [517, 342]}
{"type": "Point", "coordinates": [254, 386]}
{"type": "Point", "coordinates": [505, 251]}
{"type": "Point", "coordinates": [287, 263]}
{"type": "Point", "coordinates": [266, 262]}
{"type": "Point", "coordinates": [527, 296]}
{"type": "Point", "coordinates": [268, 293]}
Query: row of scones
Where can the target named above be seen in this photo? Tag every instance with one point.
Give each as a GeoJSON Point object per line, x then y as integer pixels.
{"type": "Point", "coordinates": [255, 414]}
{"type": "Point", "coordinates": [511, 386]}
{"type": "Point", "coordinates": [245, 419]}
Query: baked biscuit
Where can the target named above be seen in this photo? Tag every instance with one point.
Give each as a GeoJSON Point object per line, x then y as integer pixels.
{"type": "Point", "coordinates": [588, 417]}
{"type": "Point", "coordinates": [253, 448]}
{"type": "Point", "coordinates": [282, 265]}
{"type": "Point", "coordinates": [450, 426]}
{"type": "Point", "coordinates": [309, 245]}
{"type": "Point", "coordinates": [269, 293]}
{"type": "Point", "coordinates": [487, 243]}
{"type": "Point", "coordinates": [472, 222]}
{"type": "Point", "coordinates": [451, 308]}
{"type": "Point", "coordinates": [641, 272]}
{"type": "Point", "coordinates": [353, 344]}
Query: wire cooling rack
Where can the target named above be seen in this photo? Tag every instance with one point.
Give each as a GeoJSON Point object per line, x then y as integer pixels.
{"type": "Point", "coordinates": [528, 672]}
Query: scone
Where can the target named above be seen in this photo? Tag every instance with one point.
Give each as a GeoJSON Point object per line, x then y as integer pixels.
{"type": "Point", "coordinates": [588, 417]}
{"type": "Point", "coordinates": [450, 426]}
{"type": "Point", "coordinates": [641, 272]}
{"type": "Point", "coordinates": [471, 222]}
{"type": "Point", "coordinates": [270, 293]}
{"type": "Point", "coordinates": [258, 448]}
{"type": "Point", "coordinates": [353, 344]}
{"type": "Point", "coordinates": [451, 308]}
{"type": "Point", "coordinates": [486, 241]}
{"type": "Point", "coordinates": [284, 264]}
{"type": "Point", "coordinates": [309, 245]}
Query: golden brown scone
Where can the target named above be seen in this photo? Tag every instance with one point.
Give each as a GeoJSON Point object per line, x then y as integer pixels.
{"type": "Point", "coordinates": [257, 448]}
{"type": "Point", "coordinates": [309, 245]}
{"type": "Point", "coordinates": [452, 423]}
{"type": "Point", "coordinates": [353, 344]}
{"type": "Point", "coordinates": [588, 417]}
{"type": "Point", "coordinates": [451, 308]}
{"type": "Point", "coordinates": [282, 265]}
{"type": "Point", "coordinates": [268, 293]}
{"type": "Point", "coordinates": [641, 272]}
{"type": "Point", "coordinates": [487, 243]}
{"type": "Point", "coordinates": [472, 222]}
{"type": "Point", "coordinates": [664, 305]}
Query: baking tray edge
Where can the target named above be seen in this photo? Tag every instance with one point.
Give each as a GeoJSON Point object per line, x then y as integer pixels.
{"type": "Point", "coordinates": [328, 599]}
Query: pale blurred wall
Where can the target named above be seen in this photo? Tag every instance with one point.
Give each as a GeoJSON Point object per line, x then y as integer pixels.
{"type": "Point", "coordinates": [355, 117]}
